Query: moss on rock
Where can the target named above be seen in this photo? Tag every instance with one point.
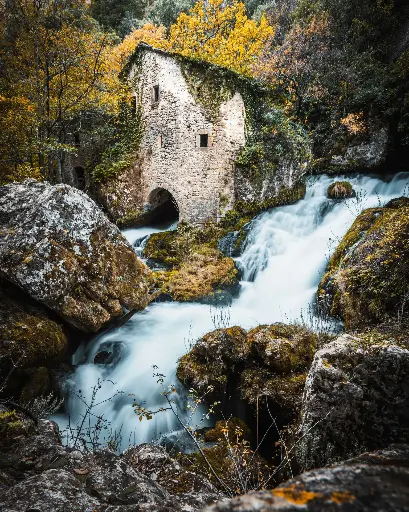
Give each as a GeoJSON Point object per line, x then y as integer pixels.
{"type": "Point", "coordinates": [284, 348]}
{"type": "Point", "coordinates": [268, 364]}
{"type": "Point", "coordinates": [367, 278]}
{"type": "Point", "coordinates": [341, 190]}
{"type": "Point", "coordinates": [200, 278]}
{"type": "Point", "coordinates": [29, 338]}
{"type": "Point", "coordinates": [212, 358]}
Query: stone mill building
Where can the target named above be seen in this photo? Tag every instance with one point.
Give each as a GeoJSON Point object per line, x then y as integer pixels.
{"type": "Point", "coordinates": [195, 122]}
{"type": "Point", "coordinates": [190, 140]}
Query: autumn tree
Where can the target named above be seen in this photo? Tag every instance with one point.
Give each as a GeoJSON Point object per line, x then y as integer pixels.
{"type": "Point", "coordinates": [149, 33]}
{"type": "Point", "coordinates": [56, 69]}
{"type": "Point", "coordinates": [220, 32]}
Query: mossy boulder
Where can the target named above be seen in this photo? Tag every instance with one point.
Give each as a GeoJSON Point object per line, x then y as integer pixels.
{"type": "Point", "coordinates": [31, 343]}
{"type": "Point", "coordinates": [201, 278]}
{"type": "Point", "coordinates": [284, 348]}
{"type": "Point", "coordinates": [355, 399]}
{"type": "Point", "coordinates": [212, 359]}
{"type": "Point", "coordinates": [341, 190]}
{"type": "Point", "coordinates": [59, 248]}
{"type": "Point", "coordinates": [368, 276]}
{"type": "Point", "coordinates": [161, 248]}
{"type": "Point", "coordinates": [29, 337]}
{"type": "Point", "coordinates": [269, 363]}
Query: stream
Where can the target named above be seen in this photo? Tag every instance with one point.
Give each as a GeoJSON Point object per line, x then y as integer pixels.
{"type": "Point", "coordinates": [286, 253]}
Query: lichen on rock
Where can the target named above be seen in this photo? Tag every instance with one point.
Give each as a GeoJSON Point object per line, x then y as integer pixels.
{"type": "Point", "coordinates": [59, 247]}
{"type": "Point", "coordinates": [355, 398]}
{"type": "Point", "coordinates": [367, 277]}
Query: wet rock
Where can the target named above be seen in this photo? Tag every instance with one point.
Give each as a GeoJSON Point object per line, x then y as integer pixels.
{"type": "Point", "coordinates": [364, 155]}
{"type": "Point", "coordinates": [356, 396]}
{"type": "Point", "coordinates": [264, 369]}
{"type": "Point", "coordinates": [372, 481]}
{"type": "Point", "coordinates": [341, 190]}
{"type": "Point", "coordinates": [36, 471]}
{"type": "Point", "coordinates": [368, 275]}
{"type": "Point", "coordinates": [30, 342]}
{"type": "Point", "coordinates": [213, 358]}
{"type": "Point", "coordinates": [110, 352]}
{"type": "Point", "coordinates": [284, 348]}
{"type": "Point", "coordinates": [234, 243]}
{"type": "Point", "coordinates": [58, 247]}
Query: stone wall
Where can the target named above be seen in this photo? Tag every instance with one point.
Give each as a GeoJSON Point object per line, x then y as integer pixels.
{"type": "Point", "coordinates": [200, 179]}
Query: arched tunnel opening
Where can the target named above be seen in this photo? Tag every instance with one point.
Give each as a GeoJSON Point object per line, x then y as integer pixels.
{"type": "Point", "coordinates": [163, 208]}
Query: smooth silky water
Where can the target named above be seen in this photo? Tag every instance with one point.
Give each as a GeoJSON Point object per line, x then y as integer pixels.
{"type": "Point", "coordinates": [286, 253]}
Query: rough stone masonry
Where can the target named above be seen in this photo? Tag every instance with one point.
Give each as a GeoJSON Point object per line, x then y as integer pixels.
{"type": "Point", "coordinates": [183, 153]}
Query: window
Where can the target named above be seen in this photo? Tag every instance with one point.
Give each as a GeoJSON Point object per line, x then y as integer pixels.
{"type": "Point", "coordinates": [160, 141]}
{"type": "Point", "coordinates": [134, 105]}
{"type": "Point", "coordinates": [204, 140]}
{"type": "Point", "coordinates": [156, 93]}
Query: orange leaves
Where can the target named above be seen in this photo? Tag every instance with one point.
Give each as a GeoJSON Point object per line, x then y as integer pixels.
{"type": "Point", "coordinates": [354, 123]}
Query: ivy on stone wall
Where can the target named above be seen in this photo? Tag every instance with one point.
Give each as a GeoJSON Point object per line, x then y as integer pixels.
{"type": "Point", "coordinates": [123, 150]}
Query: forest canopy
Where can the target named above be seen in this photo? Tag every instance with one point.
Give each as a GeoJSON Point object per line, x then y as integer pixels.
{"type": "Point", "coordinates": [335, 67]}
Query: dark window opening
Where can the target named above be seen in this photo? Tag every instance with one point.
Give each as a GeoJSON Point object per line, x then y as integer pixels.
{"type": "Point", "coordinates": [204, 140]}
{"type": "Point", "coordinates": [80, 177]}
{"type": "Point", "coordinates": [134, 105]}
{"type": "Point", "coordinates": [156, 93]}
{"type": "Point", "coordinates": [77, 139]}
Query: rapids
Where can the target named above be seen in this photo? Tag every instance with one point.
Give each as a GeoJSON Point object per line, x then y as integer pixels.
{"type": "Point", "coordinates": [286, 253]}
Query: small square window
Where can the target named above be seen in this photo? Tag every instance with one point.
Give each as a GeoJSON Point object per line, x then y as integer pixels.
{"type": "Point", "coordinates": [156, 93]}
{"type": "Point", "coordinates": [204, 140]}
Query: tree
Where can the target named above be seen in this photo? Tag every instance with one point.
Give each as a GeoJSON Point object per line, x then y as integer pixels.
{"type": "Point", "coordinates": [166, 12]}
{"type": "Point", "coordinates": [149, 33]}
{"type": "Point", "coordinates": [57, 66]}
{"type": "Point", "coordinates": [118, 15]}
{"type": "Point", "coordinates": [220, 32]}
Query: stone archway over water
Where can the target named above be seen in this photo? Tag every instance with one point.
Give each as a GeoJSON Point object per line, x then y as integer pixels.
{"type": "Point", "coordinates": [162, 206]}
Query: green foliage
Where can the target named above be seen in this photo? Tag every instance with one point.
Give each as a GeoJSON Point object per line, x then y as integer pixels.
{"type": "Point", "coordinates": [166, 12]}
{"type": "Point", "coordinates": [122, 151]}
{"type": "Point", "coordinates": [119, 16]}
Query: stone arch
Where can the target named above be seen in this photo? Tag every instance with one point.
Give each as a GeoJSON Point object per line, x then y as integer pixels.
{"type": "Point", "coordinates": [80, 179]}
{"type": "Point", "coordinates": [162, 205]}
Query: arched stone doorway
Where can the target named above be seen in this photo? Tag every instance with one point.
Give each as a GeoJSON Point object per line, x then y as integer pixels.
{"type": "Point", "coordinates": [162, 206]}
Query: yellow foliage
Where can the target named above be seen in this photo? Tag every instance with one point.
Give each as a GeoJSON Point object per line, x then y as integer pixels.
{"type": "Point", "coordinates": [149, 33]}
{"type": "Point", "coordinates": [354, 123]}
{"type": "Point", "coordinates": [213, 31]}
{"type": "Point", "coordinates": [220, 33]}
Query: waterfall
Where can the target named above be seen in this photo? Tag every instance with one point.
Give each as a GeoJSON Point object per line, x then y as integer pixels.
{"type": "Point", "coordinates": [286, 254]}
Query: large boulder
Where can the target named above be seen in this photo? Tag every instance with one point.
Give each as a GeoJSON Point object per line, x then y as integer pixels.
{"type": "Point", "coordinates": [38, 473]}
{"type": "Point", "coordinates": [58, 246]}
{"type": "Point", "coordinates": [368, 276]}
{"type": "Point", "coordinates": [247, 370]}
{"type": "Point", "coordinates": [31, 344]}
{"type": "Point", "coordinates": [372, 481]}
{"type": "Point", "coordinates": [356, 397]}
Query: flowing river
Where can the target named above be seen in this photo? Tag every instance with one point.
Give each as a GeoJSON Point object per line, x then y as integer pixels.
{"type": "Point", "coordinates": [286, 253]}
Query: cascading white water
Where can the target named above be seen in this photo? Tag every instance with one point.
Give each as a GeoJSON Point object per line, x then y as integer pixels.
{"type": "Point", "coordinates": [286, 254]}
